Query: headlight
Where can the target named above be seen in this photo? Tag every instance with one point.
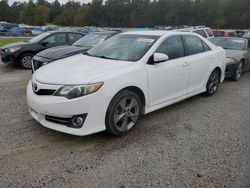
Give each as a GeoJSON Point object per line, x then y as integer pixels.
{"type": "Point", "coordinates": [230, 61]}
{"type": "Point", "coordinates": [13, 49]}
{"type": "Point", "coordinates": [72, 92]}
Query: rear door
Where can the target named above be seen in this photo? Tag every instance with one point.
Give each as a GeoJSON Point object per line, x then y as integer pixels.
{"type": "Point", "coordinates": [201, 58]}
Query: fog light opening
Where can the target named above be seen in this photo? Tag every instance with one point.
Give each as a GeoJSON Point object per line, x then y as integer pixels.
{"type": "Point", "coordinates": [77, 121]}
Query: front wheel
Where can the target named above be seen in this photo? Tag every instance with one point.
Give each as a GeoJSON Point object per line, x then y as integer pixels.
{"type": "Point", "coordinates": [213, 83]}
{"type": "Point", "coordinates": [123, 113]}
{"type": "Point", "coordinates": [25, 60]}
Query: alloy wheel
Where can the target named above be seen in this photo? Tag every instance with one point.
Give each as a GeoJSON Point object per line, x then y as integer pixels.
{"type": "Point", "coordinates": [126, 113]}
{"type": "Point", "coordinates": [26, 61]}
{"type": "Point", "coordinates": [214, 82]}
{"type": "Point", "coordinates": [239, 71]}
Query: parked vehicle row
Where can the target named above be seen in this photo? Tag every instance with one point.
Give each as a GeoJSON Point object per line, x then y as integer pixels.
{"type": "Point", "coordinates": [80, 46]}
{"type": "Point", "coordinates": [130, 74]}
{"type": "Point", "coordinates": [107, 80]}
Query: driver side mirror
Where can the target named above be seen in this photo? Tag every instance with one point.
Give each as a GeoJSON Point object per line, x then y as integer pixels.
{"type": "Point", "coordinates": [159, 58]}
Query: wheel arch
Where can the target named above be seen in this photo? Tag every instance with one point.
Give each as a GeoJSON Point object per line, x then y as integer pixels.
{"type": "Point", "coordinates": [24, 52]}
{"type": "Point", "coordinates": [220, 71]}
{"type": "Point", "coordinates": [136, 90]}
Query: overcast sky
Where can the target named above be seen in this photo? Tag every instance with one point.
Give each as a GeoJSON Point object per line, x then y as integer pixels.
{"type": "Point", "coordinates": [61, 1]}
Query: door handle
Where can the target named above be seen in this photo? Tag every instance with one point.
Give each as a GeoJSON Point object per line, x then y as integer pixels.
{"type": "Point", "coordinates": [185, 64]}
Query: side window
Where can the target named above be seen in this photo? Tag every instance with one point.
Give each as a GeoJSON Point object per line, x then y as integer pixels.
{"type": "Point", "coordinates": [173, 47]}
{"type": "Point", "coordinates": [209, 32]}
{"type": "Point", "coordinates": [74, 37]}
{"type": "Point", "coordinates": [201, 32]}
{"type": "Point", "coordinates": [56, 38]}
{"type": "Point", "coordinates": [194, 44]}
{"type": "Point", "coordinates": [232, 34]}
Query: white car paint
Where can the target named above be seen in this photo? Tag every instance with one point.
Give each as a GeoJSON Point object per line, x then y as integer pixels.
{"type": "Point", "coordinates": [162, 84]}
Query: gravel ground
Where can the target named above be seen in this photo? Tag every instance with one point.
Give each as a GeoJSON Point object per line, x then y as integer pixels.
{"type": "Point", "coordinates": [200, 142]}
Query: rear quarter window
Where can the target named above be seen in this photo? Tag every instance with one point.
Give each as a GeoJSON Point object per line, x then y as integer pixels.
{"type": "Point", "coordinates": [194, 44]}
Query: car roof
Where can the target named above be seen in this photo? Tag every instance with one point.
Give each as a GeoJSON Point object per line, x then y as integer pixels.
{"type": "Point", "coordinates": [64, 31]}
{"type": "Point", "coordinates": [105, 32]}
{"type": "Point", "coordinates": [225, 30]}
{"type": "Point", "coordinates": [233, 38]}
{"type": "Point", "coordinates": [155, 32]}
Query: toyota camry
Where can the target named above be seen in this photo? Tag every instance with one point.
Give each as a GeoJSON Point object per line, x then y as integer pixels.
{"type": "Point", "coordinates": [131, 74]}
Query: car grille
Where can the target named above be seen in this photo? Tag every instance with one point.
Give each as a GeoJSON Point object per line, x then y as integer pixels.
{"type": "Point", "coordinates": [45, 92]}
{"type": "Point", "coordinates": [36, 64]}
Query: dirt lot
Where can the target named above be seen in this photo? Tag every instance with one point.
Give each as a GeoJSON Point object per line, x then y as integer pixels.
{"type": "Point", "coordinates": [201, 142]}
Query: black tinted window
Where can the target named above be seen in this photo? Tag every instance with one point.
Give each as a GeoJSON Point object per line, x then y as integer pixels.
{"type": "Point", "coordinates": [201, 32]}
{"type": "Point", "coordinates": [56, 38]}
{"type": "Point", "coordinates": [219, 33]}
{"type": "Point", "coordinates": [194, 44]}
{"type": "Point", "coordinates": [232, 34]}
{"type": "Point", "coordinates": [74, 37]}
{"type": "Point", "coordinates": [173, 47]}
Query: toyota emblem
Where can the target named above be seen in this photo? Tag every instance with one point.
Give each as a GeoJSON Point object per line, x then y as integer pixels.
{"type": "Point", "coordinates": [35, 87]}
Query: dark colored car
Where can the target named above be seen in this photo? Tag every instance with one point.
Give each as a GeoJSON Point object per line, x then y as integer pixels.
{"type": "Point", "coordinates": [22, 52]}
{"type": "Point", "coordinates": [80, 46]}
{"type": "Point", "coordinates": [238, 55]}
{"type": "Point", "coordinates": [241, 33]}
{"type": "Point", "coordinates": [224, 33]}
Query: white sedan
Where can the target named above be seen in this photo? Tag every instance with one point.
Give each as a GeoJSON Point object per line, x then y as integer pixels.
{"type": "Point", "coordinates": [131, 74]}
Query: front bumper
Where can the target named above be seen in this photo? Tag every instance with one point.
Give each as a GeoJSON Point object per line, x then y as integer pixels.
{"type": "Point", "coordinates": [6, 58]}
{"type": "Point", "coordinates": [230, 70]}
{"type": "Point", "coordinates": [94, 105]}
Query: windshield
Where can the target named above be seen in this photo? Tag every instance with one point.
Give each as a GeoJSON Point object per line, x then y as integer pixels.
{"type": "Point", "coordinates": [230, 43]}
{"type": "Point", "coordinates": [39, 37]}
{"type": "Point", "coordinates": [90, 40]}
{"type": "Point", "coordinates": [247, 35]}
{"type": "Point", "coordinates": [124, 47]}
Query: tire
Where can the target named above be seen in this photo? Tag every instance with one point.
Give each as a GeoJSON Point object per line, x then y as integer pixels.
{"type": "Point", "coordinates": [238, 72]}
{"type": "Point", "coordinates": [213, 83]}
{"type": "Point", "coordinates": [121, 118]}
{"type": "Point", "coordinates": [25, 60]}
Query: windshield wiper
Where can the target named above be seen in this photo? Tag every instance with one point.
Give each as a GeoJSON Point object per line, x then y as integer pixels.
{"type": "Point", "coordinates": [105, 57]}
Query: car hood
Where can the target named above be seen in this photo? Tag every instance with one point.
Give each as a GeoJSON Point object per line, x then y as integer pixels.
{"type": "Point", "coordinates": [79, 69]}
{"type": "Point", "coordinates": [60, 52]}
{"type": "Point", "coordinates": [18, 44]}
{"type": "Point", "coordinates": [236, 54]}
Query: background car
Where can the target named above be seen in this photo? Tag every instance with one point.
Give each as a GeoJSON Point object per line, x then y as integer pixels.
{"type": "Point", "coordinates": [22, 52]}
{"type": "Point", "coordinates": [206, 32]}
{"type": "Point", "coordinates": [238, 55]}
{"type": "Point", "coordinates": [80, 46]}
{"type": "Point", "coordinates": [21, 31]}
{"type": "Point", "coordinates": [130, 74]}
{"type": "Point", "coordinates": [224, 33]}
{"type": "Point", "coordinates": [247, 36]}
{"type": "Point", "coordinates": [241, 33]}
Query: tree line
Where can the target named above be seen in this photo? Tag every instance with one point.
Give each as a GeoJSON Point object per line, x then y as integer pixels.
{"type": "Point", "coordinates": [130, 13]}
